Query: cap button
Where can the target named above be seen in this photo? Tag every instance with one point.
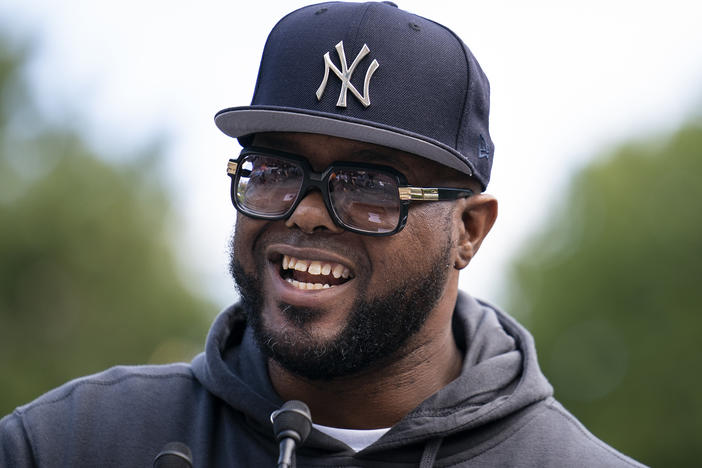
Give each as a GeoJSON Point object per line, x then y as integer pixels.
{"type": "Point", "coordinates": [392, 4]}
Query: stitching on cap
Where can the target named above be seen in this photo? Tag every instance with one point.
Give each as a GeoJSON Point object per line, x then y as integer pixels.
{"type": "Point", "coordinates": [468, 93]}
{"type": "Point", "coordinates": [263, 56]}
{"type": "Point", "coordinates": [459, 133]}
{"type": "Point", "coordinates": [358, 27]}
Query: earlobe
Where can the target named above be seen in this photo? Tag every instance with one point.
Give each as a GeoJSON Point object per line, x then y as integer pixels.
{"type": "Point", "coordinates": [474, 218]}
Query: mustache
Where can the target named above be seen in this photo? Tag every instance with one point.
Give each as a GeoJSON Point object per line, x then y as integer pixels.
{"type": "Point", "coordinates": [344, 243]}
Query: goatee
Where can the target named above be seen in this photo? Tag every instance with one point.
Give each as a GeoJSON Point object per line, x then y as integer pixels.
{"type": "Point", "coordinates": [376, 330]}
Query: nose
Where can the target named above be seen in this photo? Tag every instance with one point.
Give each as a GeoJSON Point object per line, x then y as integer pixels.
{"type": "Point", "coordinates": [311, 215]}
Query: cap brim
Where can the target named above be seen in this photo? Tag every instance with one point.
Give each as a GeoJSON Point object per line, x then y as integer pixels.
{"type": "Point", "coordinates": [241, 121]}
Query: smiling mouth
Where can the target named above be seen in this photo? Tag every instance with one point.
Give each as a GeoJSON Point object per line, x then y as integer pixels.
{"type": "Point", "coordinates": [313, 274]}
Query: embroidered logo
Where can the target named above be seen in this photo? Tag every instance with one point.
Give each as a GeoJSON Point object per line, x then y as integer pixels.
{"type": "Point", "coordinates": [483, 151]}
{"type": "Point", "coordinates": [345, 75]}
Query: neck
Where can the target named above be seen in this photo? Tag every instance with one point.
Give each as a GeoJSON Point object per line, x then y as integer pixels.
{"type": "Point", "coordinates": [381, 396]}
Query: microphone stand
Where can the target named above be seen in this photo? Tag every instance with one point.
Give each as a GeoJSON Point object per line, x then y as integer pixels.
{"type": "Point", "coordinates": [292, 424]}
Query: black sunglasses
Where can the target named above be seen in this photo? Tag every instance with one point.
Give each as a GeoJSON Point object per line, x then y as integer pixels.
{"type": "Point", "coordinates": [362, 198]}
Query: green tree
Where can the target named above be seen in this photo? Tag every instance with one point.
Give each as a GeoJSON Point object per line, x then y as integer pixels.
{"type": "Point", "coordinates": [612, 291]}
{"type": "Point", "coordinates": [88, 277]}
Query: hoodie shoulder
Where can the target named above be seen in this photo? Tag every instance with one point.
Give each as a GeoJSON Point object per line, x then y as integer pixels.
{"type": "Point", "coordinates": [522, 424]}
{"type": "Point", "coordinates": [122, 406]}
{"type": "Point", "coordinates": [121, 382]}
{"type": "Point", "coordinates": [554, 437]}
{"type": "Point", "coordinates": [15, 448]}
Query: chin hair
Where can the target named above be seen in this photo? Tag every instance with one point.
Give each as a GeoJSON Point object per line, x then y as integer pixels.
{"type": "Point", "coordinates": [377, 330]}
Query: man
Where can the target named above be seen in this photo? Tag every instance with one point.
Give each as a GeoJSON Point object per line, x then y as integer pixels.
{"type": "Point", "coordinates": [359, 188]}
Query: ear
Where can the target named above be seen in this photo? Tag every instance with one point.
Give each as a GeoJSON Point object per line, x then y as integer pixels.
{"type": "Point", "coordinates": [474, 217]}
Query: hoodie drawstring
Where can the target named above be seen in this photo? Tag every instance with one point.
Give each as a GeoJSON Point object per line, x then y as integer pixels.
{"type": "Point", "coordinates": [431, 449]}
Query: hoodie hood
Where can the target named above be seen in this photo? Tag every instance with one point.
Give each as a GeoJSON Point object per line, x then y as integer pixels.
{"type": "Point", "coordinates": [500, 377]}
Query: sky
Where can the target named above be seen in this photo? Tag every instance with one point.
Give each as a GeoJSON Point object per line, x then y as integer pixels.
{"type": "Point", "coordinates": [569, 81]}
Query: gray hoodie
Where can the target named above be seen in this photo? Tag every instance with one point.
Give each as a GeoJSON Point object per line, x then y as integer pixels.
{"type": "Point", "coordinates": [499, 412]}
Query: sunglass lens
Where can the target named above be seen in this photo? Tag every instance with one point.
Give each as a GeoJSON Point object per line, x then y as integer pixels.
{"type": "Point", "coordinates": [268, 186]}
{"type": "Point", "coordinates": [366, 200]}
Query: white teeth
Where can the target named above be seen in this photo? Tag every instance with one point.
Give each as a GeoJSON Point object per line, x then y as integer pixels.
{"type": "Point", "coordinates": [306, 286]}
{"type": "Point", "coordinates": [315, 268]}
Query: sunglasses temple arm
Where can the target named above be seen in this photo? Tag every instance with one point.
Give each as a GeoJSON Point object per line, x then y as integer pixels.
{"type": "Point", "coordinates": [454, 194]}
{"type": "Point", "coordinates": [432, 193]}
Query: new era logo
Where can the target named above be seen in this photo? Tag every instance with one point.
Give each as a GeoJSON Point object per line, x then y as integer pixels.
{"type": "Point", "coordinates": [483, 151]}
{"type": "Point", "coordinates": [345, 75]}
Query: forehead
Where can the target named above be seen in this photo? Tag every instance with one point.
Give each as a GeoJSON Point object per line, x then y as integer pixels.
{"type": "Point", "coordinates": [323, 150]}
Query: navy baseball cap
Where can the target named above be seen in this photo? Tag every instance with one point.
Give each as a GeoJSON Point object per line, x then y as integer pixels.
{"type": "Point", "coordinates": [374, 73]}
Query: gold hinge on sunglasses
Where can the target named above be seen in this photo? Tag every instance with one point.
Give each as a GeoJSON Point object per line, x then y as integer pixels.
{"type": "Point", "coordinates": [231, 167]}
{"type": "Point", "coordinates": [418, 193]}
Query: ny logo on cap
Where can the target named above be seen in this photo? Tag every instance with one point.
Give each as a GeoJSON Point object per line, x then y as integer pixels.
{"type": "Point", "coordinates": [345, 75]}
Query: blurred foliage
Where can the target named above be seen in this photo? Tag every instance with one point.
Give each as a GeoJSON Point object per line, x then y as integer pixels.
{"type": "Point", "coordinates": [88, 278]}
{"type": "Point", "coordinates": [612, 291]}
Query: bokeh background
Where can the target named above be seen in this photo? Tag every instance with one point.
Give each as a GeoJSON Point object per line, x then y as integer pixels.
{"type": "Point", "coordinates": [115, 217]}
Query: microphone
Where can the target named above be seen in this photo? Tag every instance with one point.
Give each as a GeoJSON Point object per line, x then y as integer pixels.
{"type": "Point", "coordinates": [292, 424]}
{"type": "Point", "coordinates": [174, 455]}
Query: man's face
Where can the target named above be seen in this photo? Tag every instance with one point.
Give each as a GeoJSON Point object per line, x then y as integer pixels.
{"type": "Point", "coordinates": [382, 291]}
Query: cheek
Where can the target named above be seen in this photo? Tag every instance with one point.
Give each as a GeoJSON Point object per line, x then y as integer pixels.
{"type": "Point", "coordinates": [246, 231]}
{"type": "Point", "coordinates": [429, 225]}
{"type": "Point", "coordinates": [414, 250]}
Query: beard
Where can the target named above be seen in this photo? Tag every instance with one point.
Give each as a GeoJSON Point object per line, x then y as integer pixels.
{"type": "Point", "coordinates": [377, 328]}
